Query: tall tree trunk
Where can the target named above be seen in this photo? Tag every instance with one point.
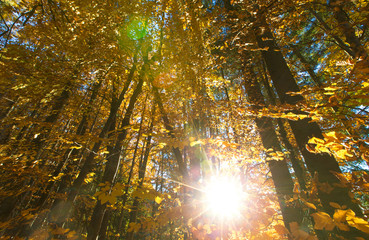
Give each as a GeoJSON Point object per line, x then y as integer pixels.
{"type": "Point", "coordinates": [125, 195]}
{"type": "Point", "coordinates": [307, 66]}
{"type": "Point", "coordinates": [4, 112]}
{"type": "Point", "coordinates": [69, 154]}
{"type": "Point", "coordinates": [60, 208]}
{"type": "Point", "coordinates": [347, 29]}
{"type": "Point", "coordinates": [323, 165]}
{"type": "Point", "coordinates": [113, 159]}
{"type": "Point", "coordinates": [58, 105]}
{"type": "Point", "coordinates": [104, 224]}
{"type": "Point", "coordinates": [177, 152]}
{"type": "Point", "coordinates": [296, 164]}
{"type": "Point", "coordinates": [141, 176]}
{"type": "Point", "coordinates": [280, 174]}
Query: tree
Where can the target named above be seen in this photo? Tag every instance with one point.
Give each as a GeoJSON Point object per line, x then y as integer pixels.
{"type": "Point", "coordinates": [118, 116]}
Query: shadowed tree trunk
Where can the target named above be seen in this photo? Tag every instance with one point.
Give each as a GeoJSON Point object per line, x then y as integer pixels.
{"type": "Point", "coordinates": [296, 164]}
{"type": "Point", "coordinates": [141, 176]}
{"type": "Point", "coordinates": [125, 195]}
{"type": "Point", "coordinates": [10, 203]}
{"type": "Point", "coordinates": [280, 174]}
{"type": "Point", "coordinates": [347, 29]}
{"type": "Point", "coordinates": [70, 153]}
{"type": "Point", "coordinates": [177, 152]}
{"type": "Point", "coordinates": [323, 164]}
{"type": "Point", "coordinates": [61, 208]}
{"type": "Point", "coordinates": [7, 106]}
{"type": "Point", "coordinates": [113, 159]}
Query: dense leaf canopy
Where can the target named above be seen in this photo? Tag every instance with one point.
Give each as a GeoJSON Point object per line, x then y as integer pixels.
{"type": "Point", "coordinates": [164, 119]}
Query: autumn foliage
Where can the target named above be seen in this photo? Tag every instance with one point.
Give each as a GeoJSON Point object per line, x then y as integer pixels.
{"type": "Point", "coordinates": [116, 117]}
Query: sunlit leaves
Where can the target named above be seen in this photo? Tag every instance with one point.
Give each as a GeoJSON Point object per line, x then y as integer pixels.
{"type": "Point", "coordinates": [323, 221]}
{"type": "Point", "coordinates": [108, 194]}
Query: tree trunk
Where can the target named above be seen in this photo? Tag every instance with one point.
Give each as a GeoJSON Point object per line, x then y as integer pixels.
{"type": "Point", "coordinates": [4, 112]}
{"type": "Point", "coordinates": [323, 165]}
{"type": "Point", "coordinates": [113, 160]}
{"type": "Point", "coordinates": [177, 152]}
{"type": "Point", "coordinates": [60, 208]}
{"type": "Point", "coordinates": [307, 66]}
{"type": "Point", "coordinates": [280, 174]}
{"type": "Point", "coordinates": [328, 31]}
{"type": "Point", "coordinates": [58, 106]}
{"type": "Point", "coordinates": [347, 29]}
{"type": "Point", "coordinates": [296, 164]}
{"type": "Point", "coordinates": [141, 176]}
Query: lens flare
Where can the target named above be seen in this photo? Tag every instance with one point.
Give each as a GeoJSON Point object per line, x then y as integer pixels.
{"type": "Point", "coordinates": [137, 28]}
{"type": "Point", "coordinates": [224, 197]}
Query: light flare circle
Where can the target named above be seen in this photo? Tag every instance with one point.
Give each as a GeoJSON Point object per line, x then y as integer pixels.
{"type": "Point", "coordinates": [224, 197]}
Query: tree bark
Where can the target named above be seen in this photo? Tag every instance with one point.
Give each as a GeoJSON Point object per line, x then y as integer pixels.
{"type": "Point", "coordinates": [113, 159]}
{"type": "Point", "coordinates": [347, 29]}
{"type": "Point", "coordinates": [296, 164]}
{"type": "Point", "coordinates": [328, 31]}
{"type": "Point", "coordinates": [323, 165]}
{"type": "Point", "coordinates": [141, 176]}
{"type": "Point", "coordinates": [177, 152]}
{"type": "Point", "coordinates": [60, 208]}
{"type": "Point", "coordinates": [280, 174]}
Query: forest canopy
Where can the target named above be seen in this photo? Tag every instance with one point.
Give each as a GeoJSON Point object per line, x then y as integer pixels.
{"type": "Point", "coordinates": [189, 119]}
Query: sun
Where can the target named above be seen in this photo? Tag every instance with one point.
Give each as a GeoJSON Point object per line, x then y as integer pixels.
{"type": "Point", "coordinates": [224, 197]}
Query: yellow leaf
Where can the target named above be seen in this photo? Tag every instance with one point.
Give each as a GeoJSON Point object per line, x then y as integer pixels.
{"type": "Point", "coordinates": [76, 147]}
{"type": "Point", "coordinates": [357, 222]}
{"type": "Point", "coordinates": [365, 84]}
{"type": "Point", "coordinates": [60, 231]}
{"type": "Point", "coordinates": [323, 220]}
{"type": "Point", "coordinates": [343, 226]}
{"type": "Point", "coordinates": [196, 143]}
{"type": "Point", "coordinates": [335, 205]}
{"type": "Point", "coordinates": [310, 205]}
{"type": "Point", "coordinates": [280, 229]}
{"type": "Point", "coordinates": [134, 227]}
{"type": "Point", "coordinates": [330, 88]}
{"type": "Point", "coordinates": [315, 140]}
{"type": "Point", "coordinates": [340, 215]}
{"type": "Point", "coordinates": [331, 135]}
{"type": "Point", "coordinates": [104, 198]}
{"type": "Point", "coordinates": [158, 200]}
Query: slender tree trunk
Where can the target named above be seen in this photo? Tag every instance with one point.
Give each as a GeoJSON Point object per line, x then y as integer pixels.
{"type": "Point", "coordinates": [125, 196]}
{"type": "Point", "coordinates": [307, 66]}
{"type": "Point", "coordinates": [60, 208]}
{"type": "Point", "coordinates": [141, 176]}
{"type": "Point", "coordinates": [328, 31]}
{"type": "Point", "coordinates": [113, 160]}
{"type": "Point", "coordinates": [347, 29]}
{"type": "Point", "coordinates": [104, 224]}
{"type": "Point", "coordinates": [4, 112]}
{"type": "Point", "coordinates": [177, 152]}
{"type": "Point", "coordinates": [6, 107]}
{"type": "Point", "coordinates": [39, 142]}
{"type": "Point", "coordinates": [70, 153]}
{"type": "Point", "coordinates": [52, 118]}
